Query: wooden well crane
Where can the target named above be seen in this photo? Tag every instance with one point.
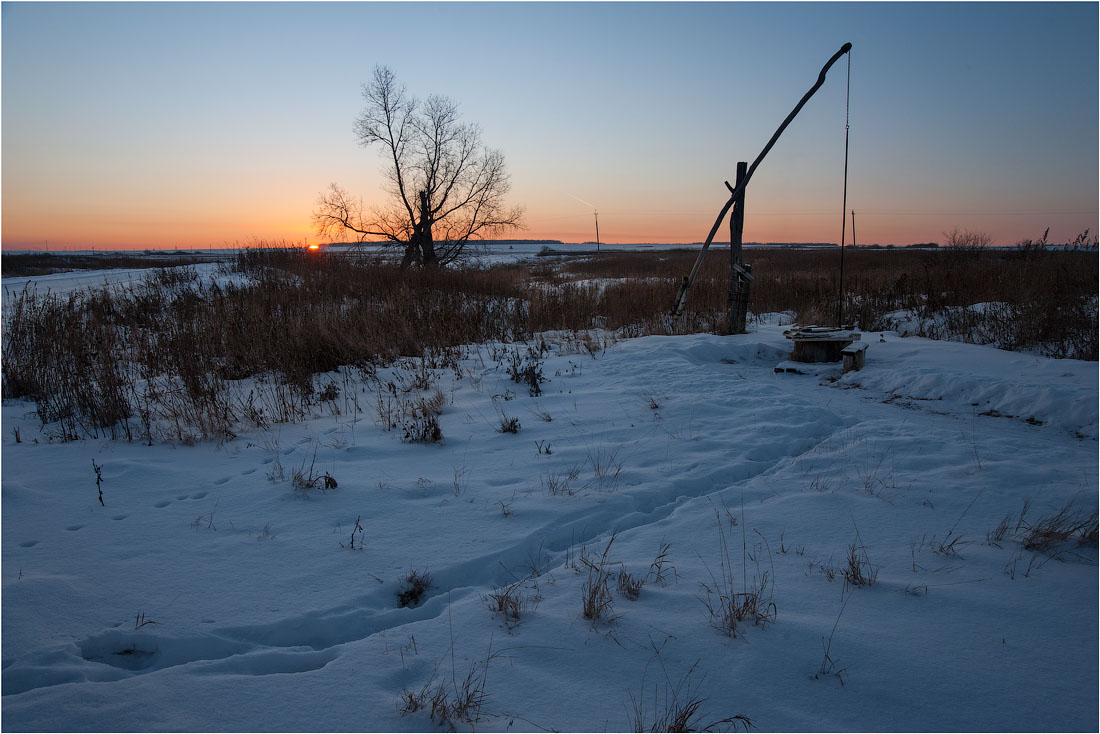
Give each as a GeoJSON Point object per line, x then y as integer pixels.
{"type": "Point", "coordinates": [740, 274]}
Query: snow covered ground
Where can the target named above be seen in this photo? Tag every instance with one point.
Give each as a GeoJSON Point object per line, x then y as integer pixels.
{"type": "Point", "coordinates": [501, 253]}
{"type": "Point", "coordinates": [208, 593]}
{"type": "Point", "coordinates": [63, 284]}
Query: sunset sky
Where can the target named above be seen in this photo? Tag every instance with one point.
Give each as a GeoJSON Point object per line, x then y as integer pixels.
{"type": "Point", "coordinates": [175, 125]}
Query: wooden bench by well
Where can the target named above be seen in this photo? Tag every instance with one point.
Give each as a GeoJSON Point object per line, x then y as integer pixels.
{"type": "Point", "coordinates": [855, 354]}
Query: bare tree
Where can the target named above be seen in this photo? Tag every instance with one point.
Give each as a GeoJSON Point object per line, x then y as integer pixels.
{"type": "Point", "coordinates": [445, 187]}
{"type": "Point", "coordinates": [965, 239]}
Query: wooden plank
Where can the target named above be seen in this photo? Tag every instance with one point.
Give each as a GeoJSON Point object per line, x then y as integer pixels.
{"type": "Point", "coordinates": [826, 336]}
{"type": "Point", "coordinates": [742, 272]}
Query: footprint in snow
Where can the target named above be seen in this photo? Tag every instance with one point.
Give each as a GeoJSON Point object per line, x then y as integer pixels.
{"type": "Point", "coordinates": [28, 544]}
{"type": "Point", "coordinates": [73, 528]}
{"type": "Point", "coordinates": [119, 517]}
{"type": "Point", "coordinates": [223, 480]}
{"type": "Point", "coordinates": [246, 472]}
{"type": "Point", "coordinates": [198, 495]}
{"type": "Point", "coordinates": [162, 504]}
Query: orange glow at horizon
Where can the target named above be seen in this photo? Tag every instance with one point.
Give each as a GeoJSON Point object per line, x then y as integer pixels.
{"type": "Point", "coordinates": [172, 230]}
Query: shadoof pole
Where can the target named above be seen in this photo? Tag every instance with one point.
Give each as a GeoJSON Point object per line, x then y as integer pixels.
{"type": "Point", "coordinates": [735, 192]}
{"type": "Point", "coordinates": [597, 215]}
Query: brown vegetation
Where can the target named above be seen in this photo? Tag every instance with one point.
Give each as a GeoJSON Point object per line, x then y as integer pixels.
{"type": "Point", "coordinates": [1041, 299]}
{"type": "Point", "coordinates": [169, 351]}
{"type": "Point", "coordinates": [44, 263]}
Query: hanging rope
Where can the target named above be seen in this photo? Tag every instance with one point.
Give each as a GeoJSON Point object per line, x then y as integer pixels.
{"type": "Point", "coordinates": [844, 206]}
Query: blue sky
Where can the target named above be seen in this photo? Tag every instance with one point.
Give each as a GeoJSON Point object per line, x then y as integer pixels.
{"type": "Point", "coordinates": [198, 124]}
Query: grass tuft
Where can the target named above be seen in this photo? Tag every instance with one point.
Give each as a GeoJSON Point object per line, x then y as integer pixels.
{"type": "Point", "coordinates": [726, 607]}
{"type": "Point", "coordinates": [416, 584]}
{"type": "Point", "coordinates": [596, 598]}
{"type": "Point", "coordinates": [677, 707]}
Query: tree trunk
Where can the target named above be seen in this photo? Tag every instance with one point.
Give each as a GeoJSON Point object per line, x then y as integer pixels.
{"type": "Point", "coordinates": [427, 245]}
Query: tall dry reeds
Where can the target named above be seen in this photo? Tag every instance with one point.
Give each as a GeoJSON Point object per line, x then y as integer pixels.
{"type": "Point", "coordinates": [168, 350]}
{"type": "Point", "coordinates": [1042, 299]}
{"type": "Point", "coordinates": [167, 358]}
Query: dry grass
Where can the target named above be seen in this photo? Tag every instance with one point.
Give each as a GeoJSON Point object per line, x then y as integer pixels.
{"type": "Point", "coordinates": [661, 568]}
{"type": "Point", "coordinates": [859, 571]}
{"type": "Point", "coordinates": [558, 484]}
{"type": "Point", "coordinates": [725, 606]}
{"type": "Point", "coordinates": [630, 585]}
{"type": "Point", "coordinates": [416, 584]}
{"type": "Point", "coordinates": [677, 707]}
{"type": "Point", "coordinates": [596, 598]}
{"type": "Point", "coordinates": [606, 466]}
{"type": "Point", "coordinates": [160, 360]}
{"type": "Point", "coordinates": [512, 602]}
{"type": "Point", "coordinates": [1046, 297]}
{"type": "Point", "coordinates": [44, 263]}
{"type": "Point", "coordinates": [1050, 533]}
{"type": "Point", "coordinates": [458, 703]}
{"type": "Point", "coordinates": [509, 424]}
{"type": "Point", "coordinates": [163, 360]}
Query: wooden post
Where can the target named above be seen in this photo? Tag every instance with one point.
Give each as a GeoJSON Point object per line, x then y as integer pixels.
{"type": "Point", "coordinates": [737, 300]}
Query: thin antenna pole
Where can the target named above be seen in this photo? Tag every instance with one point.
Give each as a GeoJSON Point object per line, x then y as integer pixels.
{"type": "Point", "coordinates": [597, 215]}
{"type": "Point", "coordinates": [844, 205]}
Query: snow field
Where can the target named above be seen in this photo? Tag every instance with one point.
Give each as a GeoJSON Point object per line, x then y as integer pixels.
{"type": "Point", "coordinates": [265, 619]}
